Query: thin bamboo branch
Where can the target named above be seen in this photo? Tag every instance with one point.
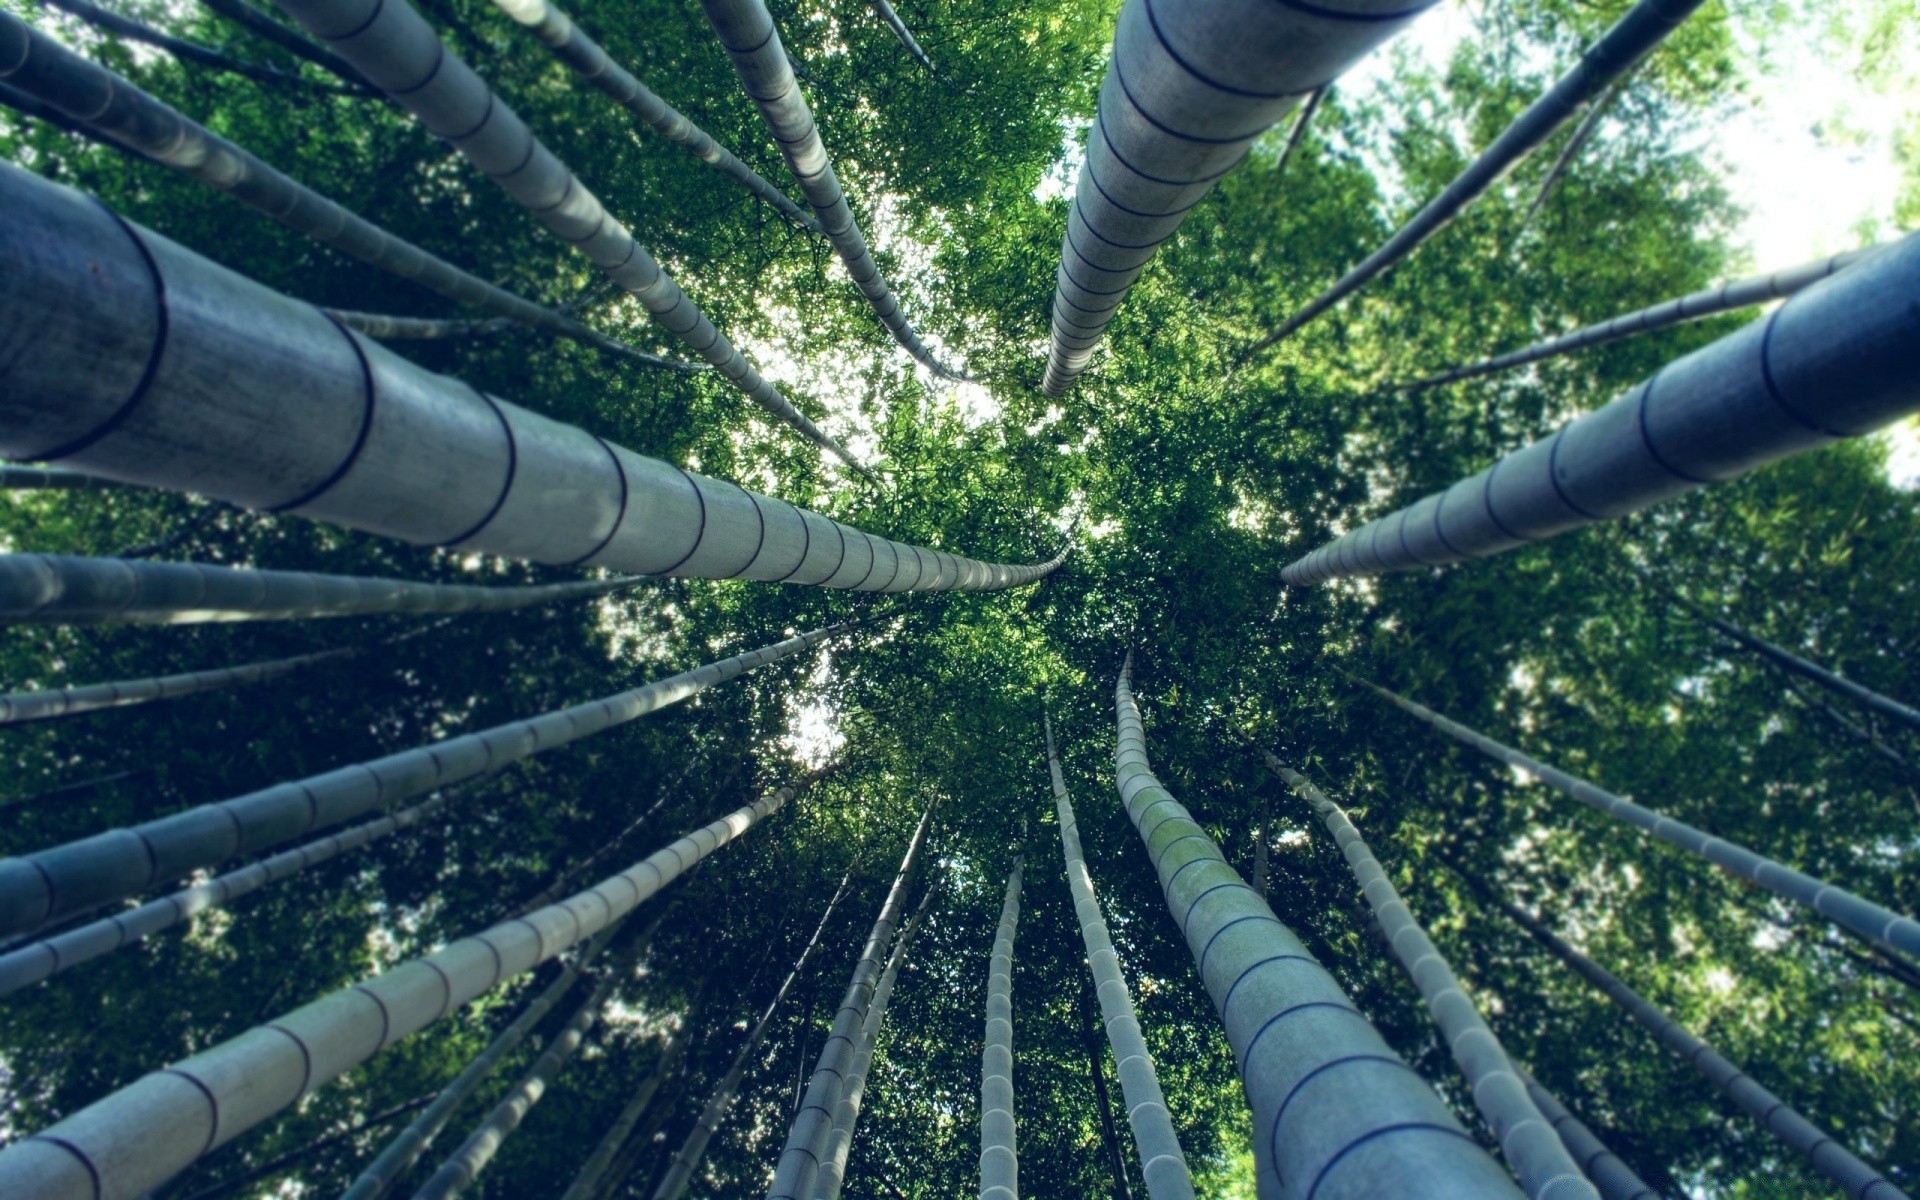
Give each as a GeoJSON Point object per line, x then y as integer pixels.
{"type": "Point", "coordinates": [19, 708]}
{"type": "Point", "coordinates": [263, 26]}
{"type": "Point", "coordinates": [891, 20]}
{"type": "Point", "coordinates": [194, 52]}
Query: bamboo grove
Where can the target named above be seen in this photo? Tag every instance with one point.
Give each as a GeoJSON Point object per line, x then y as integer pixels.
{"type": "Point", "coordinates": [1072, 597]}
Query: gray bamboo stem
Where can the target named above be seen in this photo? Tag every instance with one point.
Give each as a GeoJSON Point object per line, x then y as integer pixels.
{"type": "Point", "coordinates": [1609, 1172]}
{"type": "Point", "coordinates": [18, 478]}
{"type": "Point", "coordinates": [1877, 924]}
{"type": "Point", "coordinates": [51, 885]}
{"type": "Point", "coordinates": [999, 1152]}
{"type": "Point", "coordinates": [1792, 663]}
{"type": "Point", "coordinates": [1632, 37]}
{"type": "Point", "coordinates": [687, 1158]}
{"type": "Point", "coordinates": [747, 30]}
{"type": "Point", "coordinates": [613, 1158]}
{"type": "Point", "coordinates": [556, 28]}
{"type": "Point", "coordinates": [1576, 142]}
{"type": "Point", "coordinates": [1109, 1137]}
{"type": "Point", "coordinates": [1163, 1164]}
{"type": "Point", "coordinates": [1333, 1106]}
{"type": "Point", "coordinates": [291, 1158]}
{"type": "Point", "coordinates": [1856, 1178]}
{"type": "Point", "coordinates": [389, 43]}
{"type": "Point", "coordinates": [192, 52]}
{"type": "Point", "coordinates": [1531, 1146]}
{"type": "Point", "coordinates": [891, 20]}
{"type": "Point", "coordinates": [109, 108]}
{"type": "Point", "coordinates": [245, 15]}
{"type": "Point", "coordinates": [140, 1136]}
{"type": "Point", "coordinates": [799, 1166]}
{"type": "Point", "coordinates": [1298, 134]}
{"type": "Point", "coordinates": [19, 708]}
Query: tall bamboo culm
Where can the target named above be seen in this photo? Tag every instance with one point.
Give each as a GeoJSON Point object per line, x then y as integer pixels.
{"type": "Point", "coordinates": [1609, 1172]}
{"type": "Point", "coordinates": [1532, 1148]}
{"type": "Point", "coordinates": [1163, 1164]}
{"type": "Point", "coordinates": [999, 1153]}
{"type": "Point", "coordinates": [49, 704]}
{"type": "Point", "coordinates": [1336, 1114]}
{"type": "Point", "coordinates": [138, 1137]}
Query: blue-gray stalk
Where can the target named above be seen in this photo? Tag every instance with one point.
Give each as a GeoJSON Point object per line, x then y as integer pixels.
{"type": "Point", "coordinates": [1609, 1172]}
{"type": "Point", "coordinates": [18, 708]}
{"type": "Point", "coordinates": [999, 1153]}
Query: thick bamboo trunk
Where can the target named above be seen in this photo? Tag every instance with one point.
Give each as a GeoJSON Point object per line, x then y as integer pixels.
{"type": "Point", "coordinates": [1335, 1112]}
{"type": "Point", "coordinates": [1190, 86]}
{"type": "Point", "coordinates": [999, 1147]}
{"type": "Point", "coordinates": [193, 52]}
{"type": "Point", "coordinates": [685, 1160]}
{"type": "Point", "coordinates": [1877, 924]}
{"type": "Point", "coordinates": [1163, 1164]}
{"type": "Point", "coordinates": [1838, 359]}
{"type": "Point", "coordinates": [1632, 37]}
{"type": "Point", "coordinates": [142, 1135]}
{"type": "Point", "coordinates": [19, 708]}
{"type": "Point", "coordinates": [1856, 1178]}
{"type": "Point", "coordinates": [109, 108]}
{"type": "Point", "coordinates": [592, 63]}
{"type": "Point", "coordinates": [1726, 297]}
{"type": "Point", "coordinates": [853, 1089]}
{"type": "Point", "coordinates": [19, 478]}
{"type": "Point", "coordinates": [799, 1166]}
{"type": "Point", "coordinates": [1609, 1172]}
{"type": "Point", "coordinates": [50, 885]}
{"type": "Point", "coordinates": [389, 43]}
{"type": "Point", "coordinates": [747, 31]}
{"type": "Point", "coordinates": [892, 21]}
{"type": "Point", "coordinates": [314, 420]}
{"type": "Point", "coordinates": [1532, 1148]}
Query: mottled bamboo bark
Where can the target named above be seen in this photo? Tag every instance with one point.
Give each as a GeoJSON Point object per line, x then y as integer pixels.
{"type": "Point", "coordinates": [999, 1153]}
{"type": "Point", "coordinates": [1609, 1172]}
{"type": "Point", "coordinates": [108, 108]}
{"type": "Point", "coordinates": [312, 419]}
{"type": "Point", "coordinates": [1532, 1148]}
{"type": "Point", "coordinates": [18, 478]}
{"type": "Point", "coordinates": [142, 1135]}
{"type": "Point", "coordinates": [1726, 297]}
{"type": "Point", "coordinates": [1828, 1156]}
{"type": "Point", "coordinates": [1335, 1112]}
{"type": "Point", "coordinates": [51, 885]}
{"type": "Point", "coordinates": [1877, 924]}
{"type": "Point", "coordinates": [799, 1166]}
{"type": "Point", "coordinates": [192, 52]}
{"type": "Point", "coordinates": [1163, 1164]}
{"type": "Point", "coordinates": [747, 31]}
{"type": "Point", "coordinates": [1632, 37]}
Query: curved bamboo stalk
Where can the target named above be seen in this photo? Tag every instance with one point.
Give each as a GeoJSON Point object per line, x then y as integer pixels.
{"type": "Point", "coordinates": [1726, 297]}
{"type": "Point", "coordinates": [799, 1166]}
{"type": "Point", "coordinates": [1189, 88]}
{"type": "Point", "coordinates": [1333, 1106]}
{"type": "Point", "coordinates": [41, 960]}
{"type": "Point", "coordinates": [19, 708]}
{"type": "Point", "coordinates": [680, 1170]}
{"type": "Point", "coordinates": [1620, 48]}
{"type": "Point", "coordinates": [320, 422]}
{"type": "Point", "coordinates": [1531, 1146]}
{"type": "Point", "coordinates": [263, 26]}
{"type": "Point", "coordinates": [747, 30]}
{"type": "Point", "coordinates": [18, 478]}
{"type": "Point", "coordinates": [1875, 923]}
{"type": "Point", "coordinates": [59, 589]}
{"type": "Point", "coordinates": [1609, 1172]}
{"type": "Point", "coordinates": [51, 885]}
{"type": "Point", "coordinates": [891, 20]}
{"type": "Point", "coordinates": [554, 27]}
{"type": "Point", "coordinates": [1839, 359]}
{"type": "Point", "coordinates": [389, 42]}
{"type": "Point", "coordinates": [853, 1090]}
{"type": "Point", "coordinates": [1856, 1178]}
{"type": "Point", "coordinates": [142, 1135]}
{"type": "Point", "coordinates": [194, 52]}
{"type": "Point", "coordinates": [999, 1156]}
{"type": "Point", "coordinates": [108, 108]}
{"type": "Point", "coordinates": [1163, 1162]}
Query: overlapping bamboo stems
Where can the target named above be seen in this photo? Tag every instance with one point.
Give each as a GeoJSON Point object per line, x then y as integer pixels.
{"type": "Point", "coordinates": [798, 1170]}
{"type": "Point", "coordinates": [1726, 297]}
{"type": "Point", "coordinates": [1859, 1180]}
{"type": "Point", "coordinates": [687, 1158]}
{"type": "Point", "coordinates": [108, 107]}
{"type": "Point", "coordinates": [1163, 1163]}
{"type": "Point", "coordinates": [846, 1112]}
{"type": "Point", "coordinates": [19, 708]}
{"type": "Point", "coordinates": [1577, 141]}
{"type": "Point", "coordinates": [50, 885]}
{"type": "Point", "coordinates": [1619, 49]}
{"type": "Point", "coordinates": [317, 421]}
{"type": "Point", "coordinates": [245, 15]}
{"type": "Point", "coordinates": [556, 28]}
{"type": "Point", "coordinates": [1189, 87]}
{"type": "Point", "coordinates": [1333, 1106]}
{"type": "Point", "coordinates": [1877, 924]}
{"type": "Point", "coordinates": [613, 1159]}
{"type": "Point", "coordinates": [190, 51]}
{"type": "Point", "coordinates": [999, 1153]}
{"type": "Point", "coordinates": [1533, 1149]}
{"type": "Point", "coordinates": [142, 1135]}
{"type": "Point", "coordinates": [19, 478]}
{"type": "Point", "coordinates": [294, 1157]}
{"type": "Point", "coordinates": [892, 21]}
{"type": "Point", "coordinates": [389, 43]}
{"type": "Point", "coordinates": [1608, 1171]}
{"type": "Point", "coordinates": [748, 32]}
{"type": "Point", "coordinates": [58, 589]}
{"type": "Point", "coordinates": [1838, 359]}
